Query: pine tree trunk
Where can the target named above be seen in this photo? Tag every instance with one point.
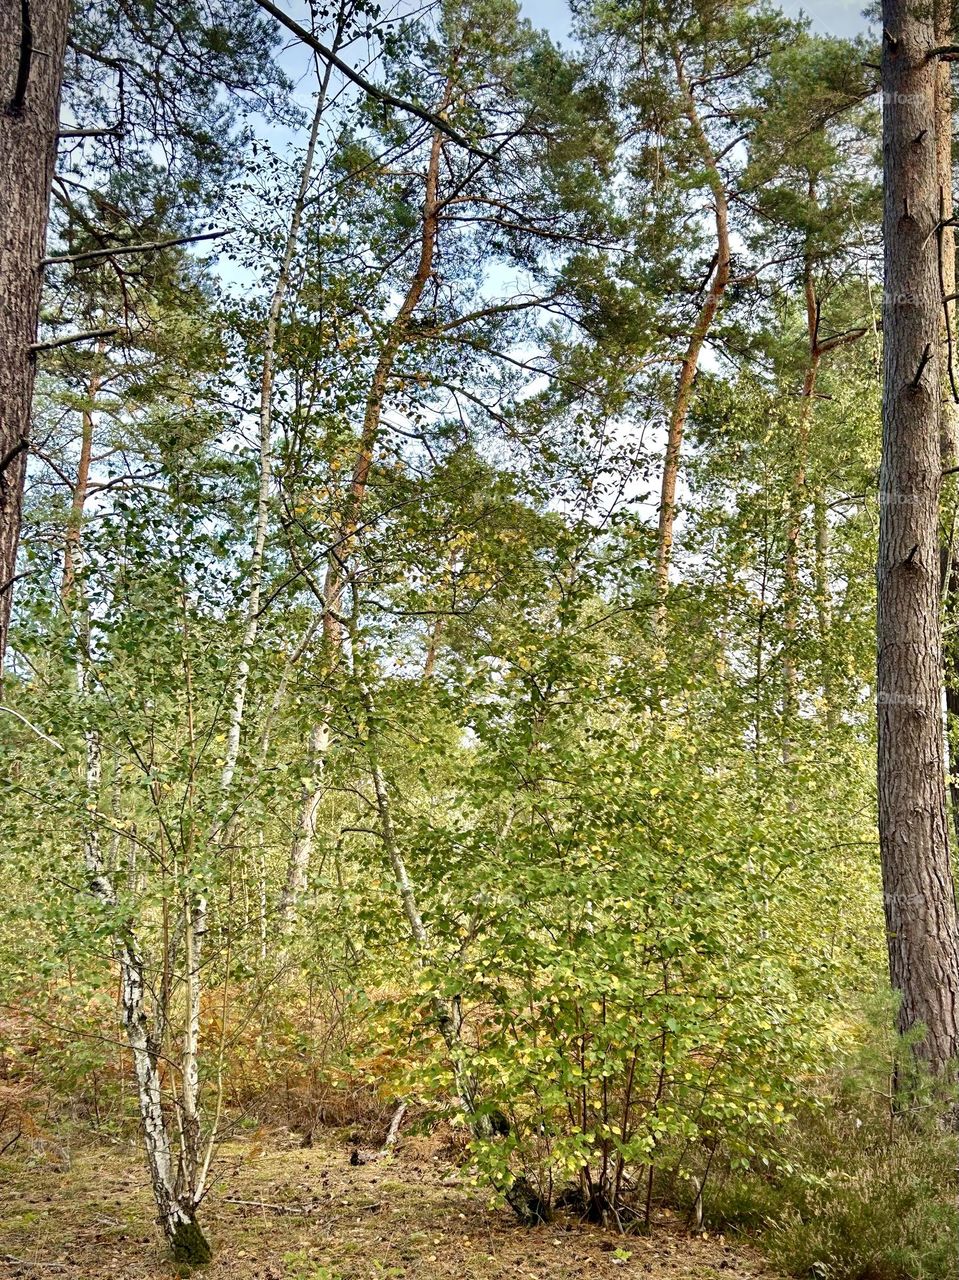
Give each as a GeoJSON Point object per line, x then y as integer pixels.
{"type": "Point", "coordinates": [919, 895]}
{"type": "Point", "coordinates": [71, 544]}
{"type": "Point", "coordinates": [718, 282]}
{"type": "Point", "coordinates": [32, 42]}
{"type": "Point", "coordinates": [949, 431]}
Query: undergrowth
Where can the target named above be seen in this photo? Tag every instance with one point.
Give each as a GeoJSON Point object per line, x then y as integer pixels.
{"type": "Point", "coordinates": [865, 1184]}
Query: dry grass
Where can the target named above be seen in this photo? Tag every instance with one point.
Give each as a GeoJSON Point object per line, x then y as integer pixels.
{"type": "Point", "coordinates": [278, 1212]}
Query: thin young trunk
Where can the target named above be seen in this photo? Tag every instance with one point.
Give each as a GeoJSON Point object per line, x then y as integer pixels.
{"type": "Point", "coordinates": [797, 495]}
{"type": "Point", "coordinates": [919, 895]}
{"type": "Point", "coordinates": [823, 603]}
{"type": "Point", "coordinates": [32, 43]}
{"type": "Point", "coordinates": [797, 502]}
{"type": "Point", "coordinates": [444, 1013]}
{"type": "Point", "coordinates": [266, 445]}
{"type": "Point", "coordinates": [311, 795]}
{"type": "Point", "coordinates": [718, 282]}
{"type": "Point", "coordinates": [71, 545]}
{"type": "Point", "coordinates": [176, 1211]}
{"type": "Point", "coordinates": [817, 348]}
{"type": "Point", "coordinates": [189, 1111]}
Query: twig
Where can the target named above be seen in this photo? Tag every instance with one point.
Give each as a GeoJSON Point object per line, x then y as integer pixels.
{"type": "Point", "coordinates": [33, 728]}
{"type": "Point", "coordinates": [276, 1208]}
{"type": "Point", "coordinates": [8, 1260]}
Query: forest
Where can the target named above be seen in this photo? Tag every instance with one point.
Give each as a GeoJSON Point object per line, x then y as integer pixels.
{"type": "Point", "coordinates": [479, 609]}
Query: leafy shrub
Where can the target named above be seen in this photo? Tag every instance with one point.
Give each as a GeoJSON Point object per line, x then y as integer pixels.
{"type": "Point", "coordinates": [864, 1185]}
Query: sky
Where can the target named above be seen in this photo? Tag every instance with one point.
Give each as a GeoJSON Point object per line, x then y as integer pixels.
{"type": "Point", "coordinates": [829, 17]}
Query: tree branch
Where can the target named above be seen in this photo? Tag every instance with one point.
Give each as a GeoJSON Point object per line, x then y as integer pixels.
{"type": "Point", "coordinates": [23, 64]}
{"type": "Point", "coordinates": [70, 338]}
{"type": "Point", "coordinates": [111, 132]}
{"type": "Point", "coordinates": [33, 728]}
{"type": "Point", "coordinates": [149, 247]}
{"type": "Point", "coordinates": [381, 95]}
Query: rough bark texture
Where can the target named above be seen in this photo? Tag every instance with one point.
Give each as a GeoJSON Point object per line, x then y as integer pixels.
{"type": "Point", "coordinates": [919, 895]}
{"type": "Point", "coordinates": [32, 41]}
{"type": "Point", "coordinates": [949, 426]}
{"type": "Point", "coordinates": [949, 379]}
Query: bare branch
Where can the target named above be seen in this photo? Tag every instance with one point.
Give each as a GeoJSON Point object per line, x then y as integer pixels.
{"type": "Point", "coordinates": [114, 250]}
{"type": "Point", "coordinates": [68, 339]}
{"type": "Point", "coordinates": [381, 95]}
{"type": "Point", "coordinates": [33, 728]}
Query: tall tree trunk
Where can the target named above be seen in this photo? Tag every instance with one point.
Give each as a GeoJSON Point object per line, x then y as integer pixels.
{"type": "Point", "coordinates": [33, 39]}
{"type": "Point", "coordinates": [718, 281]}
{"type": "Point", "coordinates": [919, 895]}
{"type": "Point", "coordinates": [338, 564]}
{"type": "Point", "coordinates": [266, 437]}
{"type": "Point", "coordinates": [71, 544]}
{"type": "Point", "coordinates": [949, 431]}
{"type": "Point", "coordinates": [794, 524]}
{"type": "Point", "coordinates": [798, 500]}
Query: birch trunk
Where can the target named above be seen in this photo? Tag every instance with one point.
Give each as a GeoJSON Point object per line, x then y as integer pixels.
{"type": "Point", "coordinates": [311, 795]}
{"type": "Point", "coordinates": [32, 44]}
{"type": "Point", "coordinates": [266, 443]}
{"type": "Point", "coordinates": [919, 894]}
{"type": "Point", "coordinates": [176, 1208]}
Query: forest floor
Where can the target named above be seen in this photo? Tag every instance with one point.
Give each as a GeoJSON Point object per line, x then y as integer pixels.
{"type": "Point", "coordinates": [279, 1212]}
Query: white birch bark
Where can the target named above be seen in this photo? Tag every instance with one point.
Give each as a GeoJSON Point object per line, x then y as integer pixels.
{"type": "Point", "coordinates": [445, 1014]}
{"type": "Point", "coordinates": [266, 446]}
{"type": "Point", "coordinates": [311, 794]}
{"type": "Point", "coordinates": [175, 1209]}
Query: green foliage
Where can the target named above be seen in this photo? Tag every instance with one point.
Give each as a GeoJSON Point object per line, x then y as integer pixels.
{"type": "Point", "coordinates": [862, 1184]}
{"type": "Point", "coordinates": [592, 882]}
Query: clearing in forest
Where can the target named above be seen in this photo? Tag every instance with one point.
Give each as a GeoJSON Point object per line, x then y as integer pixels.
{"type": "Point", "coordinates": [277, 1213]}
